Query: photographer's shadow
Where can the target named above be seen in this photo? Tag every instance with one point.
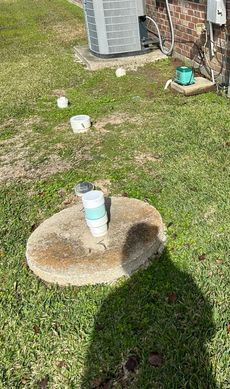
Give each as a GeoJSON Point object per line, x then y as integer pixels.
{"type": "Point", "coordinates": [152, 331]}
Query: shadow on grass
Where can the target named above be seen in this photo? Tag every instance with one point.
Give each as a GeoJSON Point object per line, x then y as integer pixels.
{"type": "Point", "coordinates": [152, 331]}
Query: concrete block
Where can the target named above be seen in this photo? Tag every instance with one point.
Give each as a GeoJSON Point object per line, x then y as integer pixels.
{"type": "Point", "coordinates": [202, 85]}
{"type": "Point", "coordinates": [63, 251]}
{"type": "Point", "coordinates": [83, 55]}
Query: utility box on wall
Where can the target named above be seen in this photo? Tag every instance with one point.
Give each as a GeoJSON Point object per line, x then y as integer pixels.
{"type": "Point", "coordinates": [216, 12]}
{"type": "Point", "coordinates": [115, 27]}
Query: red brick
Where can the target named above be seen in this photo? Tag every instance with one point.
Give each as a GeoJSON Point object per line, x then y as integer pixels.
{"type": "Point", "coordinates": [197, 14]}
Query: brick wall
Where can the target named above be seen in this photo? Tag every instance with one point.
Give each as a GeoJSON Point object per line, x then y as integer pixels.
{"type": "Point", "coordinates": [186, 16]}
{"type": "Point", "coordinates": [189, 18]}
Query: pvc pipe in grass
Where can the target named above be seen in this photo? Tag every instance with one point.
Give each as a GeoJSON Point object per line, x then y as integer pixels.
{"type": "Point", "coordinates": [62, 102]}
{"type": "Point", "coordinates": [93, 199]}
{"type": "Point", "coordinates": [80, 123]}
{"type": "Point", "coordinates": [167, 84]}
{"type": "Point", "coordinates": [95, 213]}
{"type": "Point", "coordinates": [98, 222]}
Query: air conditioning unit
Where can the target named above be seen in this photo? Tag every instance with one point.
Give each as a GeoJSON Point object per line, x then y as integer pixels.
{"type": "Point", "coordinates": [115, 27]}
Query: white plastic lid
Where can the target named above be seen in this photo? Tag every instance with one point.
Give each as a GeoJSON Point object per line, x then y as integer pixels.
{"type": "Point", "coordinates": [80, 118]}
{"type": "Point", "coordinates": [93, 195]}
{"type": "Point", "coordinates": [93, 199]}
{"type": "Point", "coordinates": [82, 188]}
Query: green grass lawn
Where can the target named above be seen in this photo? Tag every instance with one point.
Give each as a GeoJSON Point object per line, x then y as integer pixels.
{"type": "Point", "coordinates": [145, 143]}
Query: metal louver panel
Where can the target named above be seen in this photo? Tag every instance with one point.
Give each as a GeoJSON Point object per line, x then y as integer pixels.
{"type": "Point", "coordinates": [113, 25]}
{"type": "Point", "coordinates": [91, 26]}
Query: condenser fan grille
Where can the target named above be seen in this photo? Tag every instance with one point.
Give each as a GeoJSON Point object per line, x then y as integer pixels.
{"type": "Point", "coordinates": [113, 26]}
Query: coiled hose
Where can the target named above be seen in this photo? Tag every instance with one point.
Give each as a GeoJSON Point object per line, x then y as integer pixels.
{"type": "Point", "coordinates": [165, 50]}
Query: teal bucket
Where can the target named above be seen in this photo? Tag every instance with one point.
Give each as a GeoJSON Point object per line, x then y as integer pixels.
{"type": "Point", "coordinates": [95, 213]}
{"type": "Point", "coordinates": [184, 75]}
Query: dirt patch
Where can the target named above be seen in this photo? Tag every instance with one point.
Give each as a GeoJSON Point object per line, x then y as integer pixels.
{"type": "Point", "coordinates": [142, 158]}
{"type": "Point", "coordinates": [103, 185]}
{"type": "Point", "coordinates": [7, 123]}
{"type": "Point", "coordinates": [68, 32]}
{"type": "Point", "coordinates": [58, 92]}
{"type": "Point", "coordinates": [151, 74]}
{"type": "Point", "coordinates": [154, 75]}
{"type": "Point", "coordinates": [21, 168]}
{"type": "Point", "coordinates": [31, 121]}
{"type": "Point", "coordinates": [115, 119]}
{"type": "Point", "coordinates": [20, 161]}
{"type": "Point", "coordinates": [14, 129]}
{"type": "Point", "coordinates": [69, 200]}
{"type": "Point", "coordinates": [25, 123]}
{"type": "Point", "coordinates": [17, 158]}
{"type": "Point", "coordinates": [177, 62]}
{"type": "Point", "coordinates": [210, 214]}
{"type": "Point", "coordinates": [16, 147]}
{"type": "Point", "coordinates": [62, 127]}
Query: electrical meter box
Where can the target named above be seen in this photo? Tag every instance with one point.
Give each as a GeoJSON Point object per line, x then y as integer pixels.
{"type": "Point", "coordinates": [216, 12]}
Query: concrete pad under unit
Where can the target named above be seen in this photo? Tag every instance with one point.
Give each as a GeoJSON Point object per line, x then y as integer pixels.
{"type": "Point", "coordinates": [83, 55]}
{"type": "Point", "coordinates": [202, 85]}
{"type": "Point", "coordinates": [63, 251]}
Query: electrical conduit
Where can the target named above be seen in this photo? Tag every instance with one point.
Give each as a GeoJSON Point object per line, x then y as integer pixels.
{"type": "Point", "coordinates": [165, 50]}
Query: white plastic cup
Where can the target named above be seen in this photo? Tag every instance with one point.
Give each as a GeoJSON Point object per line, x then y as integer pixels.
{"type": "Point", "coordinates": [98, 222]}
{"type": "Point", "coordinates": [62, 102]}
{"type": "Point", "coordinates": [99, 231]}
{"type": "Point", "coordinates": [93, 199]}
{"type": "Point", "coordinates": [80, 123]}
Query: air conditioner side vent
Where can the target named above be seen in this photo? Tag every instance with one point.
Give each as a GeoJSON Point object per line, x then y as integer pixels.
{"type": "Point", "coordinates": [113, 26]}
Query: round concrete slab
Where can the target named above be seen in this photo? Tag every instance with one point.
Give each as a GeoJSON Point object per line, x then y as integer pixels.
{"type": "Point", "coordinates": [63, 251]}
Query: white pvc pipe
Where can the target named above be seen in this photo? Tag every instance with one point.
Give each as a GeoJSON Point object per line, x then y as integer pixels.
{"type": "Point", "coordinates": [97, 222]}
{"type": "Point", "coordinates": [62, 102]}
{"type": "Point", "coordinates": [211, 39]}
{"type": "Point", "coordinates": [99, 231]}
{"type": "Point", "coordinates": [167, 84]}
{"type": "Point", "coordinates": [213, 76]}
{"type": "Point", "coordinates": [93, 199]}
{"type": "Point", "coordinates": [80, 123]}
{"type": "Point", "coordinates": [211, 48]}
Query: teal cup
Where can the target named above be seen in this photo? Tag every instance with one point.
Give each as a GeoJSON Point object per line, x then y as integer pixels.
{"type": "Point", "coordinates": [95, 213]}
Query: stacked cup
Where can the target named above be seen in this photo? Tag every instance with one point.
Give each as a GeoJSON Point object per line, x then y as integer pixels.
{"type": "Point", "coordinates": [95, 212]}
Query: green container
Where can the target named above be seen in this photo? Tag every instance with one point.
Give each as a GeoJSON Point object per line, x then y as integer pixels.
{"type": "Point", "coordinates": [184, 75]}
